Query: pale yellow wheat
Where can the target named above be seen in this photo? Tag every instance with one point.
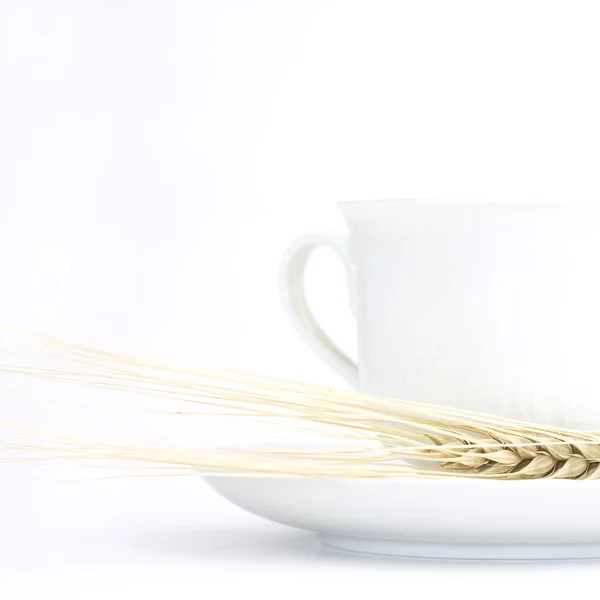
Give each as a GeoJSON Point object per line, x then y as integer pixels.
{"type": "Point", "coordinates": [357, 435]}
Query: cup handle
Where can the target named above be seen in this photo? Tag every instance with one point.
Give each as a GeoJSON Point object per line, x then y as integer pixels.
{"type": "Point", "coordinates": [293, 295]}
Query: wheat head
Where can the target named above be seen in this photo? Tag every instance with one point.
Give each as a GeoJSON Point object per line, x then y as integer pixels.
{"type": "Point", "coordinates": [374, 437]}
{"type": "Point", "coordinates": [515, 457]}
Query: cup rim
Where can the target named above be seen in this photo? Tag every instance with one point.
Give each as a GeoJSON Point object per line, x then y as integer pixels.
{"type": "Point", "coordinates": [467, 206]}
{"type": "Point", "coordinates": [427, 211]}
{"type": "Point", "coordinates": [468, 201]}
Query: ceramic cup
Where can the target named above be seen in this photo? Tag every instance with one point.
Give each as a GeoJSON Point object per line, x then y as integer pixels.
{"type": "Point", "coordinates": [492, 307]}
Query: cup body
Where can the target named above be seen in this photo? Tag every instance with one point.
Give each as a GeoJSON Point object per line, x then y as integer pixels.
{"type": "Point", "coordinates": [490, 307]}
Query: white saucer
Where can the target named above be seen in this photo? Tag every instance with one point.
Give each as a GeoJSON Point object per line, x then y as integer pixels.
{"type": "Point", "coordinates": [451, 518]}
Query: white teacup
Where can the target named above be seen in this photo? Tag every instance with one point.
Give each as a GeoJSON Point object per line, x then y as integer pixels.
{"type": "Point", "coordinates": [492, 307]}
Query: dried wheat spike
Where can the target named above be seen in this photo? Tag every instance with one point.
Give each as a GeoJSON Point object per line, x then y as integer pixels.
{"type": "Point", "coordinates": [515, 457]}
{"type": "Point", "coordinates": [374, 437]}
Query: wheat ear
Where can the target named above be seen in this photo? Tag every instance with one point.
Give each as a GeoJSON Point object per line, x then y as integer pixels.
{"type": "Point", "coordinates": [375, 437]}
{"type": "Point", "coordinates": [517, 457]}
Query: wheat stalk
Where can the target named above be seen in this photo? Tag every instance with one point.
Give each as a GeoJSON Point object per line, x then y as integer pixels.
{"type": "Point", "coordinates": [374, 437]}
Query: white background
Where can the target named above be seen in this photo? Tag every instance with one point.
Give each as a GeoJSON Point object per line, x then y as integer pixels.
{"type": "Point", "coordinates": [157, 158]}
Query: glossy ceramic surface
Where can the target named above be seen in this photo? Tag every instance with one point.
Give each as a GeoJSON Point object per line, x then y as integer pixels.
{"type": "Point", "coordinates": [458, 518]}
{"type": "Point", "coordinates": [485, 306]}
